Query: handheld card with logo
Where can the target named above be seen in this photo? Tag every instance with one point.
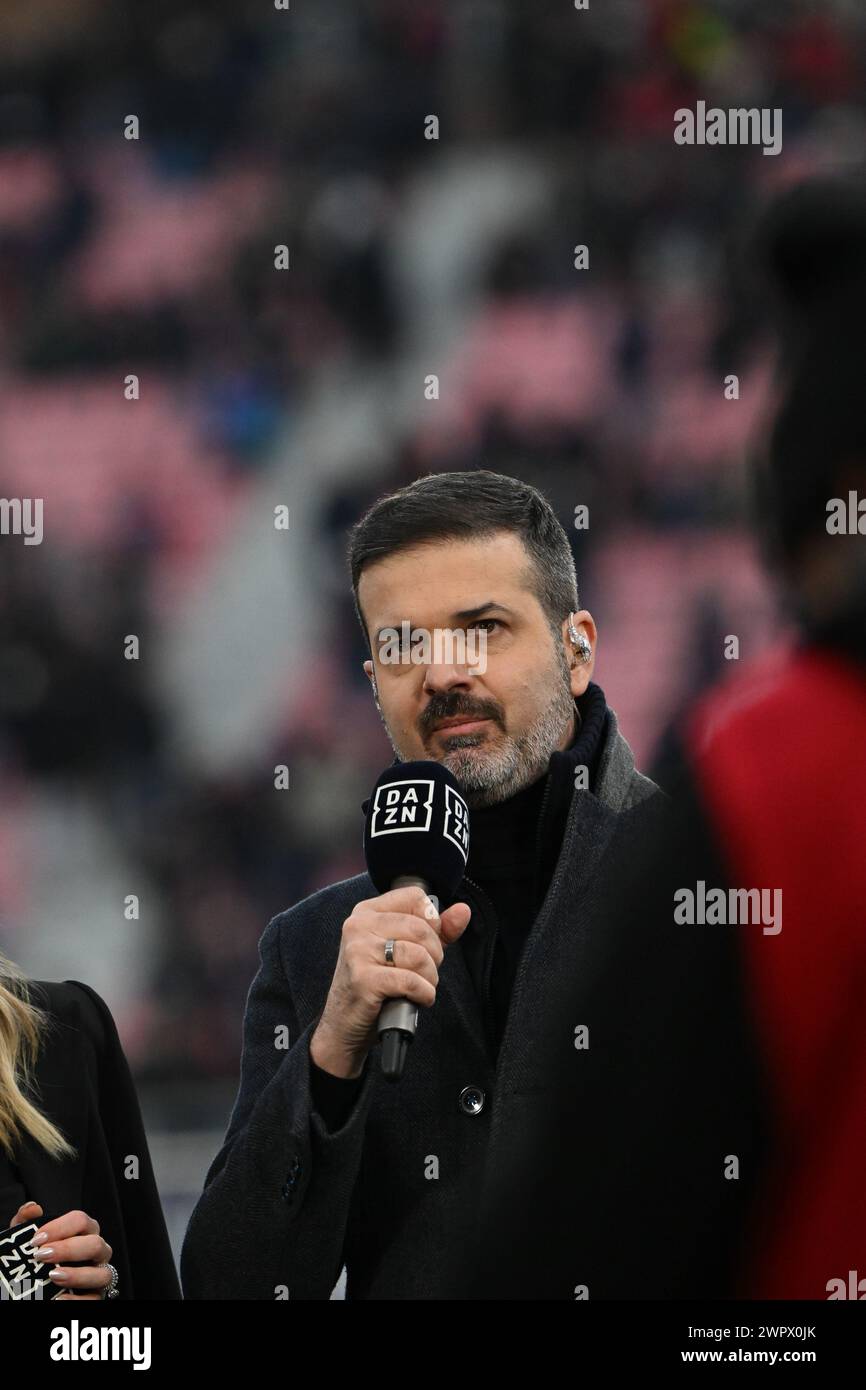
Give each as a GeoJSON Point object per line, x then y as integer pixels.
{"type": "Point", "coordinates": [21, 1274]}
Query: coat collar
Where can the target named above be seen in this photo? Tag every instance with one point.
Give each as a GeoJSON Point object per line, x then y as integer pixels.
{"type": "Point", "coordinates": [591, 821]}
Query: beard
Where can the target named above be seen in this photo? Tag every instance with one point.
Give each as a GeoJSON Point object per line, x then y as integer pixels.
{"type": "Point", "coordinates": [486, 774]}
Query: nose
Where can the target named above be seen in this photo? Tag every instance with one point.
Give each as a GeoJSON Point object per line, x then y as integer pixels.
{"type": "Point", "coordinates": [440, 678]}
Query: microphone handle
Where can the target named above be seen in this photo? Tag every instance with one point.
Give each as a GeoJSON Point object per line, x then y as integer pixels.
{"type": "Point", "coordinates": [399, 1017]}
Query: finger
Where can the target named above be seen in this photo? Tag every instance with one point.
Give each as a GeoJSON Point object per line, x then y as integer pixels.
{"type": "Point", "coordinates": [410, 955]}
{"type": "Point", "coordinates": [399, 925]}
{"type": "Point", "coordinates": [78, 1297]}
{"type": "Point", "coordinates": [87, 1278]}
{"type": "Point", "coordinates": [71, 1223]}
{"type": "Point", "coordinates": [75, 1248]}
{"type": "Point", "coordinates": [411, 900]}
{"type": "Point", "coordinates": [393, 983]}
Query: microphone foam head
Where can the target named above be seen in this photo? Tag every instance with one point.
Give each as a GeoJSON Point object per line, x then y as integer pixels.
{"type": "Point", "coordinates": [418, 825]}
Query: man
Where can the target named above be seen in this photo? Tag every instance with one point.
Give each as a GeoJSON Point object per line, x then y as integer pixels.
{"type": "Point", "coordinates": [325, 1162]}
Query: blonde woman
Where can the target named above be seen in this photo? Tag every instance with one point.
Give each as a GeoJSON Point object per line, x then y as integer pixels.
{"type": "Point", "coordinates": [73, 1153]}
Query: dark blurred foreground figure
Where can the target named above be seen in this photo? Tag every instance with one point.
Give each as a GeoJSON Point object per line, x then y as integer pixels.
{"type": "Point", "coordinates": [713, 1112]}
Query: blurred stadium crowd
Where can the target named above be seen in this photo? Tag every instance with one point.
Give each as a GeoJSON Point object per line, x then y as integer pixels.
{"type": "Point", "coordinates": [154, 256]}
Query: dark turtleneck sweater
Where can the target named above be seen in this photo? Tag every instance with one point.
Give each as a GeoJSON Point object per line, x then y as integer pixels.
{"type": "Point", "coordinates": [513, 849]}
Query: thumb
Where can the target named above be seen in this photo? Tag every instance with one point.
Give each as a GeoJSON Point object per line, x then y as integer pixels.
{"type": "Point", "coordinates": [454, 921]}
{"type": "Point", "coordinates": [28, 1212]}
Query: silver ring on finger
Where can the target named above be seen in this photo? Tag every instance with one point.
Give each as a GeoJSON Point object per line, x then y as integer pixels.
{"type": "Point", "coordinates": [110, 1290]}
{"type": "Point", "coordinates": [389, 951]}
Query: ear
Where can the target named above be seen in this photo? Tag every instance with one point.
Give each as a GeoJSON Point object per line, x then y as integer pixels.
{"type": "Point", "coordinates": [581, 671]}
{"type": "Point", "coordinates": [371, 676]}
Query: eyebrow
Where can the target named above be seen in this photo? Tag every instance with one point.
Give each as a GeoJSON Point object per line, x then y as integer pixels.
{"type": "Point", "coordinates": [463, 615]}
{"type": "Point", "coordinates": [468, 613]}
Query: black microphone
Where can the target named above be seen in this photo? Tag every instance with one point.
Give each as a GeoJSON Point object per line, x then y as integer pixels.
{"type": "Point", "coordinates": [417, 833]}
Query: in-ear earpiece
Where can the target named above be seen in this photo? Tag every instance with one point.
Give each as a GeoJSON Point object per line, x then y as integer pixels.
{"type": "Point", "coordinates": [579, 640]}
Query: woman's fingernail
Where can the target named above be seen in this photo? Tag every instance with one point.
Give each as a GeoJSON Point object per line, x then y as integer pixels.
{"type": "Point", "coordinates": [59, 1274]}
{"type": "Point", "coordinates": [40, 1239]}
{"type": "Point", "coordinates": [45, 1253]}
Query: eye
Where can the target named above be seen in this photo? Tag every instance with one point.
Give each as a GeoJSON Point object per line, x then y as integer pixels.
{"type": "Point", "coordinates": [494, 621]}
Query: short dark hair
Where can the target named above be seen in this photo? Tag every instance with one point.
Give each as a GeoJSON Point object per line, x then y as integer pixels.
{"type": "Point", "coordinates": [464, 506]}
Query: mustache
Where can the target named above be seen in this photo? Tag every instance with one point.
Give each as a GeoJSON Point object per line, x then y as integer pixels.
{"type": "Point", "coordinates": [450, 706]}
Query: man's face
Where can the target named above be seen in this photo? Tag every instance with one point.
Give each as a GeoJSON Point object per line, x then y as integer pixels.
{"type": "Point", "coordinates": [519, 708]}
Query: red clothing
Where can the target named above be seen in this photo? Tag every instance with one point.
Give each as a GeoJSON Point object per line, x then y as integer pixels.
{"type": "Point", "coordinates": [780, 761]}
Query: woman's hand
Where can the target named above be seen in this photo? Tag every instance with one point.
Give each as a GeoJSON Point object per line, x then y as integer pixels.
{"type": "Point", "coordinates": [73, 1236]}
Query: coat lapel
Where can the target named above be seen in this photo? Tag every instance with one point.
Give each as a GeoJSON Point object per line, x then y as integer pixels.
{"type": "Point", "coordinates": [458, 994]}
{"type": "Point", "coordinates": [561, 936]}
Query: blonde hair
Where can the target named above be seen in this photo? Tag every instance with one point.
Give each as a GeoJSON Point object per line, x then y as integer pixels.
{"type": "Point", "coordinates": [22, 1026]}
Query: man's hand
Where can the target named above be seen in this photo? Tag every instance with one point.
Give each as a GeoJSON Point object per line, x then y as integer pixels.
{"type": "Point", "coordinates": [363, 979]}
{"type": "Point", "coordinates": [73, 1236]}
